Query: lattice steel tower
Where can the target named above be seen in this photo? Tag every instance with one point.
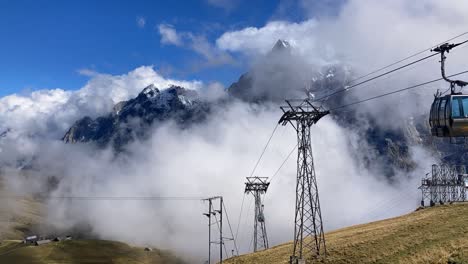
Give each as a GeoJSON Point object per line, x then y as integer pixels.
{"type": "Point", "coordinates": [309, 239]}
{"type": "Point", "coordinates": [447, 184]}
{"type": "Point", "coordinates": [258, 186]}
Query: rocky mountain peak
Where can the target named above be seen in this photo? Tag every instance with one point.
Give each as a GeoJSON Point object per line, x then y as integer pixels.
{"type": "Point", "coordinates": [132, 118]}
{"type": "Point", "coordinates": [281, 45]}
{"type": "Point", "coordinates": [150, 91]}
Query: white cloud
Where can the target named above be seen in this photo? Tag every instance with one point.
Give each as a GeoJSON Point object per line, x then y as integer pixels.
{"type": "Point", "coordinates": [361, 30]}
{"type": "Point", "coordinates": [141, 21]}
{"type": "Point", "coordinates": [198, 43]}
{"type": "Point", "coordinates": [227, 5]}
{"type": "Point", "coordinates": [367, 35]}
{"type": "Point", "coordinates": [214, 157]}
{"type": "Point", "coordinates": [211, 158]}
{"type": "Point", "coordinates": [87, 72]}
{"type": "Point", "coordinates": [169, 35]}
{"type": "Point", "coordinates": [261, 40]}
{"type": "Point", "coordinates": [50, 112]}
{"type": "Point", "coordinates": [212, 55]}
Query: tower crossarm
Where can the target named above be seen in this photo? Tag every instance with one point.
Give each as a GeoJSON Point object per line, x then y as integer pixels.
{"type": "Point", "coordinates": [305, 111]}
{"type": "Point", "coordinates": [256, 184]}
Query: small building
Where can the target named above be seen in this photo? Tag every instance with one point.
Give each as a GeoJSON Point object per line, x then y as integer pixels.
{"type": "Point", "coordinates": [30, 239]}
{"type": "Point", "coordinates": [42, 242]}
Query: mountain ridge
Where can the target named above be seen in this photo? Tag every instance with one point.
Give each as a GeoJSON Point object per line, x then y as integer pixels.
{"type": "Point", "coordinates": [129, 120]}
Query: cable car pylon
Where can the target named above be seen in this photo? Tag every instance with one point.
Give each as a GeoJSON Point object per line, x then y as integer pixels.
{"type": "Point", "coordinates": [258, 186]}
{"type": "Point", "coordinates": [309, 238]}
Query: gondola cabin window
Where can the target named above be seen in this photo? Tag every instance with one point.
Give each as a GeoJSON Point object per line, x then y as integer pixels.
{"type": "Point", "coordinates": [456, 111]}
{"type": "Point", "coordinates": [465, 106]}
{"type": "Point", "coordinates": [442, 112]}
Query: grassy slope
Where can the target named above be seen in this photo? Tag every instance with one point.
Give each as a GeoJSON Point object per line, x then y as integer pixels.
{"type": "Point", "coordinates": [434, 235]}
{"type": "Point", "coordinates": [81, 251]}
{"type": "Point", "coordinates": [17, 216]}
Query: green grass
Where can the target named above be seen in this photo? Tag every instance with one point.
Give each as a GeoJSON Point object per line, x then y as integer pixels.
{"type": "Point", "coordinates": [81, 251]}
{"type": "Point", "coordinates": [433, 235]}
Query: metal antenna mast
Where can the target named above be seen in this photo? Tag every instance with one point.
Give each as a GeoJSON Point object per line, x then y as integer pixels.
{"type": "Point", "coordinates": [258, 186]}
{"type": "Point", "coordinates": [309, 239]}
{"type": "Point", "coordinates": [214, 212]}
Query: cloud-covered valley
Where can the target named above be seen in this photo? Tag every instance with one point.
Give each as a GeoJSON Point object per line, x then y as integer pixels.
{"type": "Point", "coordinates": [214, 157]}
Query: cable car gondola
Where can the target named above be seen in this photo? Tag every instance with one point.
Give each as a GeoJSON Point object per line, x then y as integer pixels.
{"type": "Point", "coordinates": [449, 116]}
{"type": "Point", "coordinates": [449, 113]}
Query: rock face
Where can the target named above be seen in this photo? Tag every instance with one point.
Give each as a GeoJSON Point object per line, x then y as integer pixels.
{"type": "Point", "coordinates": [281, 74]}
{"type": "Point", "coordinates": [389, 148]}
{"type": "Point", "coordinates": [272, 79]}
{"type": "Point", "coordinates": [131, 119]}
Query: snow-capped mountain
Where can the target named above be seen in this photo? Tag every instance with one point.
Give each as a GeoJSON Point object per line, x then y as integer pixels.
{"type": "Point", "coordinates": [131, 119]}
{"type": "Point", "coordinates": [281, 45]}
{"type": "Point", "coordinates": [266, 81]}
{"type": "Point", "coordinates": [281, 74]}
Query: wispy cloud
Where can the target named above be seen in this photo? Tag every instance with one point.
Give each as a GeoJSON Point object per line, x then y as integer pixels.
{"type": "Point", "coordinates": [227, 5]}
{"type": "Point", "coordinates": [87, 72]}
{"type": "Point", "coordinates": [169, 35]}
{"type": "Point", "coordinates": [140, 21]}
{"type": "Point", "coordinates": [198, 43]}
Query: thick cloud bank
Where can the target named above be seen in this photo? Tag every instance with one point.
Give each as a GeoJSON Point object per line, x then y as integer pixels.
{"type": "Point", "coordinates": [213, 158]}
{"type": "Point", "coordinates": [209, 159]}
{"type": "Point", "coordinates": [50, 112]}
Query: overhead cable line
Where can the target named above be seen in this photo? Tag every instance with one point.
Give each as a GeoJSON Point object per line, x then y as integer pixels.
{"type": "Point", "coordinates": [373, 78]}
{"type": "Point", "coordinates": [282, 164]}
{"type": "Point", "coordinates": [110, 198]}
{"type": "Point", "coordinates": [264, 149]}
{"type": "Point", "coordinates": [394, 92]}
{"type": "Point", "coordinates": [222, 238]}
{"type": "Point", "coordinates": [388, 72]}
{"type": "Point", "coordinates": [383, 74]}
{"type": "Point", "coordinates": [386, 77]}
{"type": "Point", "coordinates": [406, 58]}
{"type": "Point", "coordinates": [230, 229]}
{"type": "Point", "coordinates": [252, 173]}
{"type": "Point", "coordinates": [240, 216]}
{"type": "Point", "coordinates": [245, 222]}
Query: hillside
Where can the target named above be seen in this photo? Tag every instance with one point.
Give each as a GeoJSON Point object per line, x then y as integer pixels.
{"type": "Point", "coordinates": [21, 217]}
{"type": "Point", "coordinates": [17, 216]}
{"type": "Point", "coordinates": [432, 235]}
{"type": "Point", "coordinates": [81, 251]}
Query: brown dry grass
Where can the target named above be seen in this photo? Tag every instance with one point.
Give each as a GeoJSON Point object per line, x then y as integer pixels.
{"type": "Point", "coordinates": [434, 235]}
{"type": "Point", "coordinates": [82, 251]}
{"type": "Point", "coordinates": [17, 216]}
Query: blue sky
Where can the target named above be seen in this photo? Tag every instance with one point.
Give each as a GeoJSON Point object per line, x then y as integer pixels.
{"type": "Point", "coordinates": [43, 44]}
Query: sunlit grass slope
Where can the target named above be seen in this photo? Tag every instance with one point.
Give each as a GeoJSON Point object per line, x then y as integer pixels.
{"type": "Point", "coordinates": [81, 251]}
{"type": "Point", "coordinates": [17, 216]}
{"type": "Point", "coordinates": [433, 235]}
